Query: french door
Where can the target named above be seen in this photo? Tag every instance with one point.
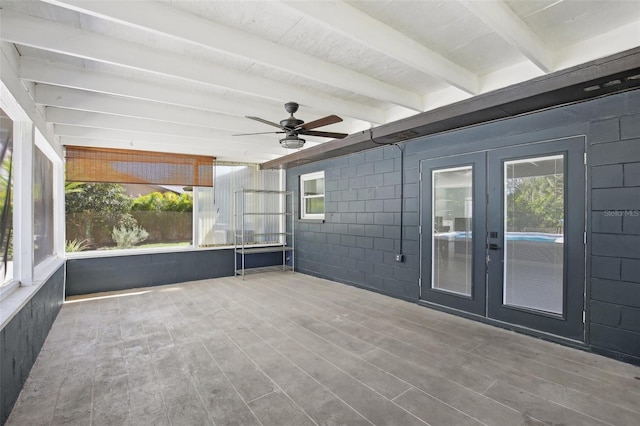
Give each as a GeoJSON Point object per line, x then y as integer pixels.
{"type": "Point", "coordinates": [502, 235]}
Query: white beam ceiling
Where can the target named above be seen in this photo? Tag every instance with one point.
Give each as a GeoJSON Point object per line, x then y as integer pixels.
{"type": "Point", "coordinates": [359, 26]}
{"type": "Point", "coordinates": [171, 22]}
{"type": "Point", "coordinates": [497, 15]}
{"type": "Point", "coordinates": [46, 35]}
{"type": "Point", "coordinates": [62, 97]}
{"type": "Point", "coordinates": [68, 76]}
{"type": "Point", "coordinates": [182, 76]}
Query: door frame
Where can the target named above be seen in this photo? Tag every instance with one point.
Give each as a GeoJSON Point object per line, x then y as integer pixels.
{"type": "Point", "coordinates": [446, 301]}
{"type": "Point", "coordinates": [476, 303]}
{"type": "Point", "coordinates": [570, 323]}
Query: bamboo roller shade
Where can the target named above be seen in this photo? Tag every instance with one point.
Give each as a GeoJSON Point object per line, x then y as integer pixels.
{"type": "Point", "coordinates": [129, 166]}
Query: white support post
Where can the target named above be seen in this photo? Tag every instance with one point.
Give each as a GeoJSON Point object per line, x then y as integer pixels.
{"type": "Point", "coordinates": [23, 144]}
{"type": "Point", "coordinates": [195, 231]}
{"type": "Point", "coordinates": [59, 228]}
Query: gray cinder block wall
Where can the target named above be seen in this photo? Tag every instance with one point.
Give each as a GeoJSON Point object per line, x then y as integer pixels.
{"type": "Point", "coordinates": [359, 238]}
{"type": "Point", "coordinates": [22, 338]}
{"type": "Point", "coordinates": [98, 274]}
{"type": "Point", "coordinates": [615, 231]}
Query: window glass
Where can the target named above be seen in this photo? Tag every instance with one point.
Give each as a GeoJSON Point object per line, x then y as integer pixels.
{"type": "Point", "coordinates": [452, 236]}
{"type": "Point", "coordinates": [6, 199]}
{"type": "Point", "coordinates": [534, 205]}
{"type": "Point", "coordinates": [42, 206]}
{"type": "Point", "coordinates": [107, 216]}
{"type": "Point", "coordinates": [312, 196]}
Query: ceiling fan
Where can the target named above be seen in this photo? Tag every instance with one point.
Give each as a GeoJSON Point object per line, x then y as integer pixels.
{"type": "Point", "coordinates": [293, 127]}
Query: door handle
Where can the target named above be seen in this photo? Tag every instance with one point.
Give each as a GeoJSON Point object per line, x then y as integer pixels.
{"type": "Point", "coordinates": [494, 246]}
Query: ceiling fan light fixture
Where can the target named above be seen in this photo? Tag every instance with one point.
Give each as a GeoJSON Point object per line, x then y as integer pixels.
{"type": "Point", "coordinates": [292, 142]}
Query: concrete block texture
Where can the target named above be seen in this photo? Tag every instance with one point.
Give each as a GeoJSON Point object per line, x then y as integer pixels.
{"type": "Point", "coordinates": [627, 151]}
{"type": "Point", "coordinates": [630, 270]}
{"type": "Point", "coordinates": [605, 267]}
{"type": "Point", "coordinates": [616, 199]}
{"type": "Point", "coordinates": [630, 126]}
{"type": "Point", "coordinates": [607, 176]}
{"type": "Point", "coordinates": [632, 174]}
{"type": "Point", "coordinates": [370, 193]}
{"type": "Point", "coordinates": [23, 337]}
{"type": "Point", "coordinates": [617, 292]}
{"type": "Point", "coordinates": [605, 130]}
{"type": "Point", "coordinates": [616, 245]}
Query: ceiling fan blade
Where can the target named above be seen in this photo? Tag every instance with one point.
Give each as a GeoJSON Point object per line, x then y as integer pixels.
{"type": "Point", "coordinates": [258, 133]}
{"type": "Point", "coordinates": [330, 119]}
{"type": "Point", "coordinates": [324, 134]}
{"type": "Point", "coordinates": [270, 123]}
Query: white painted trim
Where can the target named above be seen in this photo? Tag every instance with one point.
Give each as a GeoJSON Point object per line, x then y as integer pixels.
{"type": "Point", "coordinates": [23, 229]}
{"type": "Point", "coordinates": [17, 96]}
{"type": "Point", "coordinates": [11, 304]}
{"type": "Point", "coordinates": [7, 289]}
{"type": "Point", "coordinates": [303, 179]}
{"type": "Point", "coordinates": [95, 254]}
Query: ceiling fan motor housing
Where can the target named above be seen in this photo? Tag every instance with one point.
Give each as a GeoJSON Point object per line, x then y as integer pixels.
{"type": "Point", "coordinates": [291, 122]}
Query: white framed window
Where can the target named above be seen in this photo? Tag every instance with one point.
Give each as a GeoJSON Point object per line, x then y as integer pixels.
{"type": "Point", "coordinates": [312, 196]}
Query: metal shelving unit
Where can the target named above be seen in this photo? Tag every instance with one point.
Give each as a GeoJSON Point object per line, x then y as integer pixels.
{"type": "Point", "coordinates": [263, 223]}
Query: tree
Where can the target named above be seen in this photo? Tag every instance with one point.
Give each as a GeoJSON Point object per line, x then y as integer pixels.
{"type": "Point", "coordinates": [536, 204]}
{"type": "Point", "coordinates": [94, 209]}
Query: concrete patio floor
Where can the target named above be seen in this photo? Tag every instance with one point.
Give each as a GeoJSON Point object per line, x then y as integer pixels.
{"type": "Point", "coordinates": [290, 349]}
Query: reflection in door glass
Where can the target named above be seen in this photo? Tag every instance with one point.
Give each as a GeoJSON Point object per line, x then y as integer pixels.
{"type": "Point", "coordinates": [534, 237]}
{"type": "Point", "coordinates": [452, 210]}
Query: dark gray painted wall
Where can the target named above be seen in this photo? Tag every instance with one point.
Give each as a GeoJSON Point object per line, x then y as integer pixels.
{"type": "Point", "coordinates": [615, 231]}
{"type": "Point", "coordinates": [22, 338]}
{"type": "Point", "coordinates": [93, 275]}
{"type": "Point", "coordinates": [359, 238]}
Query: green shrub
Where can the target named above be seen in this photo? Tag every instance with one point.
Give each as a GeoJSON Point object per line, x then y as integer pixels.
{"type": "Point", "coordinates": [164, 202]}
{"type": "Point", "coordinates": [128, 237]}
{"type": "Point", "coordinates": [76, 245]}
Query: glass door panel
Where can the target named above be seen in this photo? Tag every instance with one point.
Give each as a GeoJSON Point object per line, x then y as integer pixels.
{"type": "Point", "coordinates": [533, 243]}
{"type": "Point", "coordinates": [535, 249]}
{"type": "Point", "coordinates": [451, 243]}
{"type": "Point", "coordinates": [453, 228]}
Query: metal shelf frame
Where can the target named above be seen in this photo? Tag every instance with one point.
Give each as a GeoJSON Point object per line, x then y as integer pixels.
{"type": "Point", "coordinates": [245, 238]}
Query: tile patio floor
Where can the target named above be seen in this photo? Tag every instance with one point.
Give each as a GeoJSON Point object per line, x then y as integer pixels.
{"type": "Point", "coordinates": [290, 349]}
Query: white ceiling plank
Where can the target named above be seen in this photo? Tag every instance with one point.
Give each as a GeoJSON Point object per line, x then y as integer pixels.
{"type": "Point", "coordinates": [42, 34]}
{"type": "Point", "coordinates": [108, 121]}
{"type": "Point", "coordinates": [59, 74]}
{"type": "Point", "coordinates": [499, 17]}
{"type": "Point", "coordinates": [444, 97]}
{"type": "Point", "coordinates": [376, 35]}
{"type": "Point", "coordinates": [136, 129]}
{"type": "Point", "coordinates": [133, 137]}
{"type": "Point", "coordinates": [172, 22]}
{"type": "Point", "coordinates": [622, 38]}
{"type": "Point", "coordinates": [107, 104]}
{"type": "Point", "coordinates": [525, 70]}
{"type": "Point", "coordinates": [70, 76]}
